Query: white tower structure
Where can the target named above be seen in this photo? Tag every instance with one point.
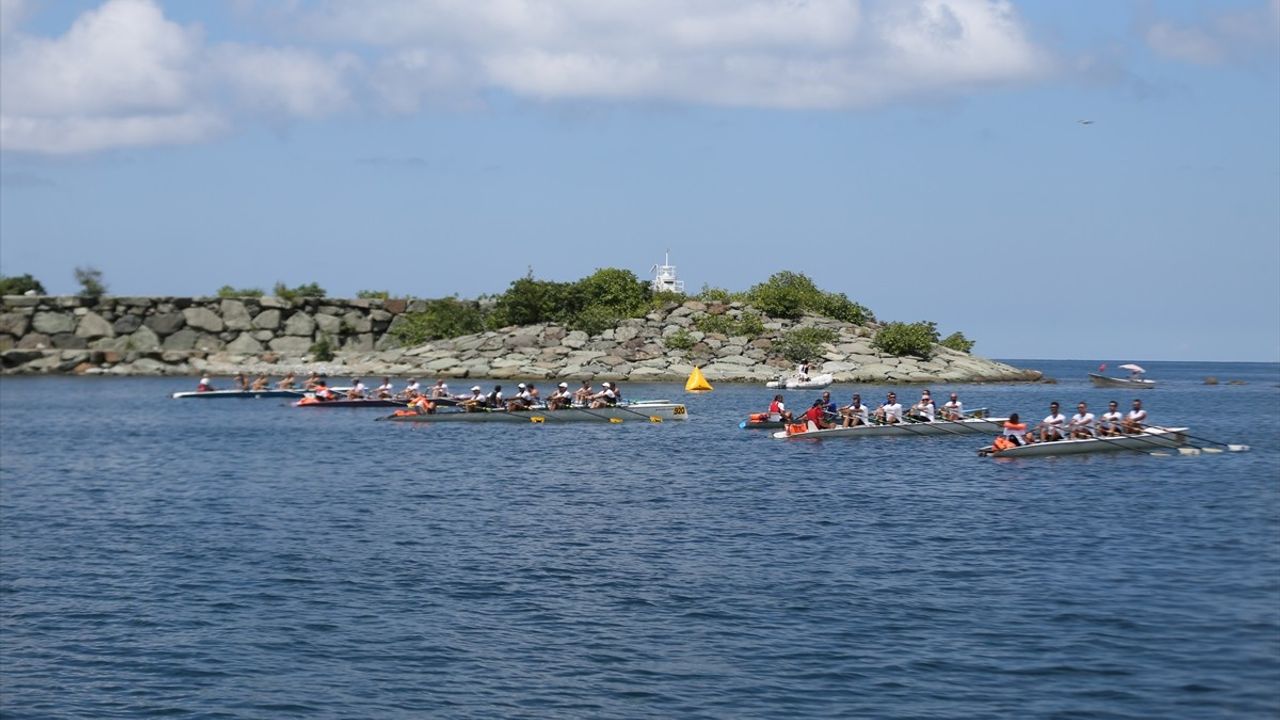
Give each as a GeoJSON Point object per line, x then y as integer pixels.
{"type": "Point", "coordinates": [664, 278]}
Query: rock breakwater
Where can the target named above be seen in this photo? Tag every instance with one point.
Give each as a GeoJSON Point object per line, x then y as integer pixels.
{"type": "Point", "coordinates": [188, 336]}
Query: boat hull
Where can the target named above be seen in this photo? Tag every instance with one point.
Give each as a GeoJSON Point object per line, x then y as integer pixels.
{"type": "Point", "coordinates": [238, 394]}
{"type": "Point", "coordinates": [652, 412]}
{"type": "Point", "coordinates": [369, 402]}
{"type": "Point", "coordinates": [973, 426]}
{"type": "Point", "coordinates": [1152, 439]}
{"type": "Point", "coordinates": [1104, 381]}
{"type": "Point", "coordinates": [816, 382]}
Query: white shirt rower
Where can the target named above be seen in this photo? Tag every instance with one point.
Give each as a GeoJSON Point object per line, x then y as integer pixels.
{"type": "Point", "coordinates": [1082, 422]}
{"type": "Point", "coordinates": [858, 413]}
{"type": "Point", "coordinates": [384, 390]}
{"type": "Point", "coordinates": [953, 409]}
{"type": "Point", "coordinates": [923, 409]}
{"type": "Point", "coordinates": [412, 387]}
{"type": "Point", "coordinates": [891, 410]}
{"type": "Point", "coordinates": [1110, 421]}
{"type": "Point", "coordinates": [1052, 425]}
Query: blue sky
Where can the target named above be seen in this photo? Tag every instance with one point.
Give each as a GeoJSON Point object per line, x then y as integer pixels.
{"type": "Point", "coordinates": [925, 158]}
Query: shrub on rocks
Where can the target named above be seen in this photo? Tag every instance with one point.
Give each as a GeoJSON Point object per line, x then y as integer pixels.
{"type": "Point", "coordinates": [442, 319]}
{"type": "Point", "coordinates": [20, 284]}
{"type": "Point", "coordinates": [957, 341]}
{"type": "Point", "coordinates": [806, 342]}
{"type": "Point", "coordinates": [900, 339]}
{"type": "Point", "coordinates": [749, 325]}
{"type": "Point", "coordinates": [679, 340]}
{"type": "Point", "coordinates": [226, 291]}
{"type": "Point", "coordinates": [285, 292]}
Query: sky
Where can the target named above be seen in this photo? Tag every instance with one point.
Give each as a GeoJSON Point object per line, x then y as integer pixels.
{"type": "Point", "coordinates": [1097, 179]}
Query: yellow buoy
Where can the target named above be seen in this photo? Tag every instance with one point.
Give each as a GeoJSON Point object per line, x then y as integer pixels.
{"type": "Point", "coordinates": [696, 382]}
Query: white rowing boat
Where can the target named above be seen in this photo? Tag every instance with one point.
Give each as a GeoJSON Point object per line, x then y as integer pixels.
{"type": "Point", "coordinates": [815, 382]}
{"type": "Point", "coordinates": [225, 394]}
{"type": "Point", "coordinates": [969, 426]}
{"type": "Point", "coordinates": [1135, 383]}
{"type": "Point", "coordinates": [1148, 440]}
{"type": "Point", "coordinates": [634, 412]}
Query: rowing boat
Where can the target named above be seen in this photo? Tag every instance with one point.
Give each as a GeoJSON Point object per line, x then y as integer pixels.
{"type": "Point", "coordinates": [223, 394]}
{"type": "Point", "coordinates": [1149, 439]}
{"type": "Point", "coordinates": [815, 382]}
{"type": "Point", "coordinates": [634, 412]}
{"type": "Point", "coordinates": [968, 426]}
{"type": "Point", "coordinates": [1134, 383]}
{"type": "Point", "coordinates": [343, 402]}
{"type": "Point", "coordinates": [755, 423]}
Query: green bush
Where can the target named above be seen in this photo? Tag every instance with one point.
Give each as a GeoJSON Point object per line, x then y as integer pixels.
{"type": "Point", "coordinates": [718, 295]}
{"type": "Point", "coordinates": [322, 349]}
{"type": "Point", "coordinates": [957, 341]}
{"type": "Point", "coordinates": [302, 291]}
{"type": "Point", "coordinates": [90, 279]}
{"type": "Point", "coordinates": [528, 301]}
{"type": "Point", "coordinates": [20, 285]}
{"type": "Point", "coordinates": [785, 295]}
{"type": "Point", "coordinates": [805, 343]}
{"type": "Point", "coordinates": [373, 294]}
{"type": "Point", "coordinates": [595, 320]}
{"type": "Point", "coordinates": [226, 291]}
{"type": "Point", "coordinates": [838, 306]}
{"type": "Point", "coordinates": [617, 290]}
{"type": "Point", "coordinates": [899, 338]}
{"type": "Point", "coordinates": [679, 340]}
{"type": "Point", "coordinates": [443, 318]}
{"type": "Point", "coordinates": [749, 324]}
{"type": "Point", "coordinates": [662, 298]}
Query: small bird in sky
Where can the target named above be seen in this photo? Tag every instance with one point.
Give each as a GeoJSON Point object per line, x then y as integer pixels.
{"type": "Point", "coordinates": [1085, 122]}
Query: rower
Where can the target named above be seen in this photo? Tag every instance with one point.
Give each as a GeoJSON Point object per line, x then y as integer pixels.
{"type": "Point", "coordinates": [828, 405]}
{"type": "Point", "coordinates": [1052, 425]}
{"type": "Point", "coordinates": [582, 396]}
{"type": "Point", "coordinates": [475, 401]}
{"type": "Point", "coordinates": [1081, 426]}
{"type": "Point", "coordinates": [1111, 420]}
{"type": "Point", "coordinates": [1016, 431]}
{"type": "Point", "coordinates": [439, 390]}
{"type": "Point", "coordinates": [890, 412]}
{"type": "Point", "coordinates": [953, 409]}
{"type": "Point", "coordinates": [261, 382]}
{"type": "Point", "coordinates": [522, 399]}
{"type": "Point", "coordinates": [357, 390]}
{"type": "Point", "coordinates": [312, 380]}
{"type": "Point", "coordinates": [606, 397]}
{"type": "Point", "coordinates": [561, 398]}
{"type": "Point", "coordinates": [384, 390]}
{"type": "Point", "coordinates": [922, 411]}
{"type": "Point", "coordinates": [855, 413]}
{"type": "Point", "coordinates": [1135, 419]}
{"type": "Point", "coordinates": [287, 382]}
{"type": "Point", "coordinates": [413, 389]}
{"type": "Point", "coordinates": [204, 385]}
{"type": "Point", "coordinates": [494, 398]}
{"type": "Point", "coordinates": [778, 410]}
{"type": "Point", "coordinates": [816, 416]}
{"type": "Point", "coordinates": [242, 383]}
{"type": "Point", "coordinates": [323, 393]}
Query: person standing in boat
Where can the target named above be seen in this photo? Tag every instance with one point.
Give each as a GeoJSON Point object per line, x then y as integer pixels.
{"type": "Point", "coordinates": [1081, 425]}
{"type": "Point", "coordinates": [287, 382]}
{"type": "Point", "coordinates": [778, 410]}
{"type": "Point", "coordinates": [855, 413]}
{"type": "Point", "coordinates": [1112, 420]}
{"type": "Point", "coordinates": [204, 385]}
{"type": "Point", "coordinates": [890, 412]}
{"type": "Point", "coordinates": [922, 411]}
{"type": "Point", "coordinates": [802, 370]}
{"type": "Point", "coordinates": [953, 409]}
{"type": "Point", "coordinates": [1136, 419]}
{"type": "Point", "coordinates": [1052, 425]}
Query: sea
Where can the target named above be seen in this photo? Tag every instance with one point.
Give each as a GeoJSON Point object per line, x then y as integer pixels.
{"type": "Point", "coordinates": [248, 559]}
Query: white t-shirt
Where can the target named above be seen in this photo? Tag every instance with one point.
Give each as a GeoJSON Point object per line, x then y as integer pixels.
{"type": "Point", "coordinates": [1082, 422]}
{"type": "Point", "coordinates": [924, 408]}
{"type": "Point", "coordinates": [1138, 416]}
{"type": "Point", "coordinates": [411, 387]}
{"type": "Point", "coordinates": [386, 386]}
{"type": "Point", "coordinates": [892, 411]}
{"type": "Point", "coordinates": [953, 407]}
{"type": "Point", "coordinates": [1111, 419]}
{"type": "Point", "coordinates": [859, 412]}
{"type": "Point", "coordinates": [358, 388]}
{"type": "Point", "coordinates": [1053, 421]}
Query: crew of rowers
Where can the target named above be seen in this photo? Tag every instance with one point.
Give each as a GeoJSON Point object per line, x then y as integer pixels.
{"type": "Point", "coordinates": [1082, 426]}
{"type": "Point", "coordinates": [527, 396]}
{"type": "Point", "coordinates": [824, 413]}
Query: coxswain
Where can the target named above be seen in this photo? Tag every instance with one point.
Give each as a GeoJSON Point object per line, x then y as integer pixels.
{"type": "Point", "coordinates": [855, 413]}
{"type": "Point", "coordinates": [778, 410]}
{"type": "Point", "coordinates": [422, 404]}
{"type": "Point", "coordinates": [890, 412]}
{"type": "Point", "coordinates": [561, 398]}
{"type": "Point", "coordinates": [816, 416]}
{"type": "Point", "coordinates": [262, 382]}
{"type": "Point", "coordinates": [953, 409]}
{"type": "Point", "coordinates": [287, 382]}
{"type": "Point", "coordinates": [357, 390]}
{"type": "Point", "coordinates": [1111, 420]}
{"type": "Point", "coordinates": [922, 411]}
{"type": "Point", "coordinates": [475, 401]}
{"type": "Point", "coordinates": [204, 385]}
{"type": "Point", "coordinates": [1016, 431]}
{"type": "Point", "coordinates": [1136, 419]}
{"type": "Point", "coordinates": [606, 397]}
{"type": "Point", "coordinates": [1052, 425]}
{"type": "Point", "coordinates": [242, 382]}
{"type": "Point", "coordinates": [323, 393]}
{"type": "Point", "coordinates": [1081, 425]}
{"type": "Point", "coordinates": [384, 390]}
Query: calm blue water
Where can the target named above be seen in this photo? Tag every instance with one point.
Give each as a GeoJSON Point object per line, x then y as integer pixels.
{"type": "Point", "coordinates": [244, 559]}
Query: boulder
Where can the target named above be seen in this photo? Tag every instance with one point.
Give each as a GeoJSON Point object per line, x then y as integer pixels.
{"type": "Point", "coordinates": [144, 339]}
{"type": "Point", "coordinates": [202, 318]}
{"type": "Point", "coordinates": [291, 345]}
{"type": "Point", "coordinates": [244, 343]}
{"type": "Point", "coordinates": [328, 324]}
{"type": "Point", "coordinates": [300, 324]}
{"type": "Point", "coordinates": [126, 324]}
{"type": "Point", "coordinates": [166, 323]}
{"type": "Point", "coordinates": [15, 324]}
{"type": "Point", "coordinates": [92, 325]}
{"type": "Point", "coordinates": [184, 339]}
{"type": "Point", "coordinates": [235, 315]}
{"type": "Point", "coordinates": [68, 341]}
{"type": "Point", "coordinates": [53, 323]}
{"type": "Point", "coordinates": [266, 320]}
{"type": "Point", "coordinates": [34, 341]}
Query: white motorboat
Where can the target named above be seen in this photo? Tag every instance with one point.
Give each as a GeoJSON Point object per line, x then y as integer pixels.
{"type": "Point", "coordinates": [1137, 383]}
{"type": "Point", "coordinates": [795, 382]}
{"type": "Point", "coordinates": [968, 426]}
{"type": "Point", "coordinates": [1149, 440]}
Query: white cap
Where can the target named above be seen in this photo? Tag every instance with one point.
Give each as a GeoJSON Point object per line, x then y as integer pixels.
{"type": "Point", "coordinates": [475, 387]}
{"type": "Point", "coordinates": [520, 385]}
{"type": "Point", "coordinates": [564, 384]}
{"type": "Point", "coordinates": [605, 384]}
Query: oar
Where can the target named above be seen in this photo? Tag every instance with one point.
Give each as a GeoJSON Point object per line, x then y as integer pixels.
{"type": "Point", "coordinates": [614, 420]}
{"type": "Point", "coordinates": [1230, 447]}
{"type": "Point", "coordinates": [650, 418]}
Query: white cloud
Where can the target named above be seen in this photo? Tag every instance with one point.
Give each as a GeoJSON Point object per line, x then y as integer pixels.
{"type": "Point", "coordinates": [1228, 36]}
{"type": "Point", "coordinates": [283, 80]}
